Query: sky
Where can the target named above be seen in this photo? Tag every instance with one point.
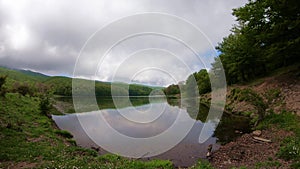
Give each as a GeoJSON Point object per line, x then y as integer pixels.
{"type": "Point", "coordinates": [155, 42]}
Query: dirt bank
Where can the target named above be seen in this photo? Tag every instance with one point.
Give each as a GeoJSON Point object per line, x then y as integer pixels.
{"type": "Point", "coordinates": [249, 152]}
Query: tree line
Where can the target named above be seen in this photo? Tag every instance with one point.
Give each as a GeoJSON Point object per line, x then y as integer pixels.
{"type": "Point", "coordinates": [265, 38]}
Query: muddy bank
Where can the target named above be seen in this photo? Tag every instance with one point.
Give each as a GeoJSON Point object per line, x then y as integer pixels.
{"type": "Point", "coordinates": [249, 152]}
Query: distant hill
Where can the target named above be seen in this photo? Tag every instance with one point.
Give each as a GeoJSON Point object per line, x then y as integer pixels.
{"type": "Point", "coordinates": [22, 75]}
{"type": "Point", "coordinates": [37, 75]}
{"type": "Point", "coordinates": [63, 85]}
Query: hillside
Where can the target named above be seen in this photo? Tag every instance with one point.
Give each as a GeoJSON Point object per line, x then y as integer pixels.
{"type": "Point", "coordinates": [22, 75]}
{"type": "Point", "coordinates": [31, 140]}
{"type": "Point", "coordinates": [63, 85]}
{"type": "Point", "coordinates": [272, 103]}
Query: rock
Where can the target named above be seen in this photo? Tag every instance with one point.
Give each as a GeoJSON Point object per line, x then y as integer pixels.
{"type": "Point", "coordinates": [208, 154]}
{"type": "Point", "coordinates": [238, 132]}
{"type": "Point", "coordinates": [257, 133]}
{"type": "Point", "coordinates": [209, 150]}
{"type": "Point", "coordinates": [262, 139]}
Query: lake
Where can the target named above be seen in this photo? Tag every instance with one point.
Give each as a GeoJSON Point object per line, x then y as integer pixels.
{"type": "Point", "coordinates": [150, 128]}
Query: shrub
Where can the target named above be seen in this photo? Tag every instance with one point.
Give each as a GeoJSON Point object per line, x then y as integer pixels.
{"type": "Point", "coordinates": [45, 105]}
{"type": "Point", "coordinates": [2, 88]}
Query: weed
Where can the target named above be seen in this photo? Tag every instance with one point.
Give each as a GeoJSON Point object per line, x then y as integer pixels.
{"type": "Point", "coordinates": [202, 164]}
{"type": "Point", "coordinates": [64, 133]}
{"type": "Point", "coordinates": [290, 146]}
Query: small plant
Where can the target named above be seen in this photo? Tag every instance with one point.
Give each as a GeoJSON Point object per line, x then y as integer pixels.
{"type": "Point", "coordinates": [271, 95]}
{"type": "Point", "coordinates": [202, 164]}
{"type": "Point", "coordinates": [253, 98]}
{"type": "Point", "coordinates": [268, 164]}
{"type": "Point", "coordinates": [290, 149]}
{"type": "Point", "coordinates": [64, 133]}
{"type": "Point", "coordinates": [290, 146]}
{"type": "Point", "coordinates": [71, 141]}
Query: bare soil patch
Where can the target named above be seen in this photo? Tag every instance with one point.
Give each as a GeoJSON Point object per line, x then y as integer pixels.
{"type": "Point", "coordinates": [248, 152]}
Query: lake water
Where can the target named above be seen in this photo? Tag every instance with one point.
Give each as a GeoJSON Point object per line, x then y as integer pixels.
{"type": "Point", "coordinates": [154, 128]}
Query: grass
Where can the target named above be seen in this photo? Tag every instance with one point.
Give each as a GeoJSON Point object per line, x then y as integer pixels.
{"type": "Point", "coordinates": [290, 146]}
{"type": "Point", "coordinates": [202, 165]}
{"type": "Point", "coordinates": [268, 164]}
{"type": "Point", "coordinates": [31, 137]}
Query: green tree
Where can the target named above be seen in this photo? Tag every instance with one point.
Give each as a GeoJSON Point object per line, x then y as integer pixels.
{"type": "Point", "coordinates": [273, 25]}
{"type": "Point", "coordinates": [265, 38]}
{"type": "Point", "coordinates": [198, 82]}
{"type": "Point", "coordinates": [172, 90]}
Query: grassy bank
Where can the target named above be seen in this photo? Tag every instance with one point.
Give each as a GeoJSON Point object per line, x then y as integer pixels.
{"type": "Point", "coordinates": [29, 139]}
{"type": "Point", "coordinates": [290, 146]}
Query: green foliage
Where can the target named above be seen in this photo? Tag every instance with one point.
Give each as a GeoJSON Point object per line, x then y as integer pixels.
{"type": "Point", "coordinates": [251, 97]}
{"type": "Point", "coordinates": [172, 90]}
{"type": "Point", "coordinates": [22, 76]}
{"type": "Point", "coordinates": [60, 85]}
{"type": "Point", "coordinates": [30, 138]}
{"type": "Point", "coordinates": [268, 164]}
{"type": "Point", "coordinates": [63, 133]}
{"type": "Point", "coordinates": [290, 147]}
{"type": "Point", "coordinates": [202, 165]}
{"type": "Point", "coordinates": [198, 81]}
{"type": "Point", "coordinates": [271, 95]}
{"type": "Point", "coordinates": [34, 84]}
{"type": "Point", "coordinates": [2, 81]}
{"type": "Point", "coordinates": [139, 90]}
{"type": "Point", "coordinates": [63, 86]}
{"type": "Point", "coordinates": [24, 89]}
{"type": "Point", "coordinates": [284, 120]}
{"type": "Point", "coordinates": [266, 38]}
{"type": "Point", "coordinates": [2, 88]}
{"type": "Point", "coordinates": [45, 104]}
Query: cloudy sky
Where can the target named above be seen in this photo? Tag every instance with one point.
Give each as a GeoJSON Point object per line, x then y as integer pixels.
{"type": "Point", "coordinates": [114, 40]}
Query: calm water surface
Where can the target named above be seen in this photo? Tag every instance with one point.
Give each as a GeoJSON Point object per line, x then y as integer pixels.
{"type": "Point", "coordinates": [149, 118]}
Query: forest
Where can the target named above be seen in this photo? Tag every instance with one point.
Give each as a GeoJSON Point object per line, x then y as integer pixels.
{"type": "Point", "coordinates": [265, 38]}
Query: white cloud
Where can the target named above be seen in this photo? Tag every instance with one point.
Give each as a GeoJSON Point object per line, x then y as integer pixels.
{"type": "Point", "coordinates": [47, 35]}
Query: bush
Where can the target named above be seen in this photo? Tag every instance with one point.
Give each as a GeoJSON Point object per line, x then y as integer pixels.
{"type": "Point", "coordinates": [45, 105]}
{"type": "Point", "coordinates": [2, 88]}
{"type": "Point", "coordinates": [23, 89]}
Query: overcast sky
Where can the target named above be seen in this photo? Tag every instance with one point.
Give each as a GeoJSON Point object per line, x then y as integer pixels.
{"type": "Point", "coordinates": [47, 36]}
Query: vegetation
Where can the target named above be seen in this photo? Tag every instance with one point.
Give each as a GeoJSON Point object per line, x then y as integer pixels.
{"type": "Point", "coordinates": [30, 138]}
{"type": "Point", "coordinates": [172, 90]}
{"type": "Point", "coordinates": [265, 38]}
{"type": "Point", "coordinates": [2, 88]}
{"type": "Point", "coordinates": [196, 82]}
{"type": "Point", "coordinates": [201, 79]}
{"type": "Point", "coordinates": [290, 147]}
{"type": "Point", "coordinates": [27, 82]}
{"type": "Point", "coordinates": [202, 165]}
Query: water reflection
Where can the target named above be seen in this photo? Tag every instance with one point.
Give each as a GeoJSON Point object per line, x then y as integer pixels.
{"type": "Point", "coordinates": [161, 115]}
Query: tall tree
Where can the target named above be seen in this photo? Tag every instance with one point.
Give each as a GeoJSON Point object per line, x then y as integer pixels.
{"type": "Point", "coordinates": [265, 38]}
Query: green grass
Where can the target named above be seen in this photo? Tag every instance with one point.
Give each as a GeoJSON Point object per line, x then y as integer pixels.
{"type": "Point", "coordinates": [202, 165]}
{"type": "Point", "coordinates": [29, 136]}
{"type": "Point", "coordinates": [268, 164]}
{"type": "Point", "coordinates": [64, 133]}
{"type": "Point", "coordinates": [290, 146]}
